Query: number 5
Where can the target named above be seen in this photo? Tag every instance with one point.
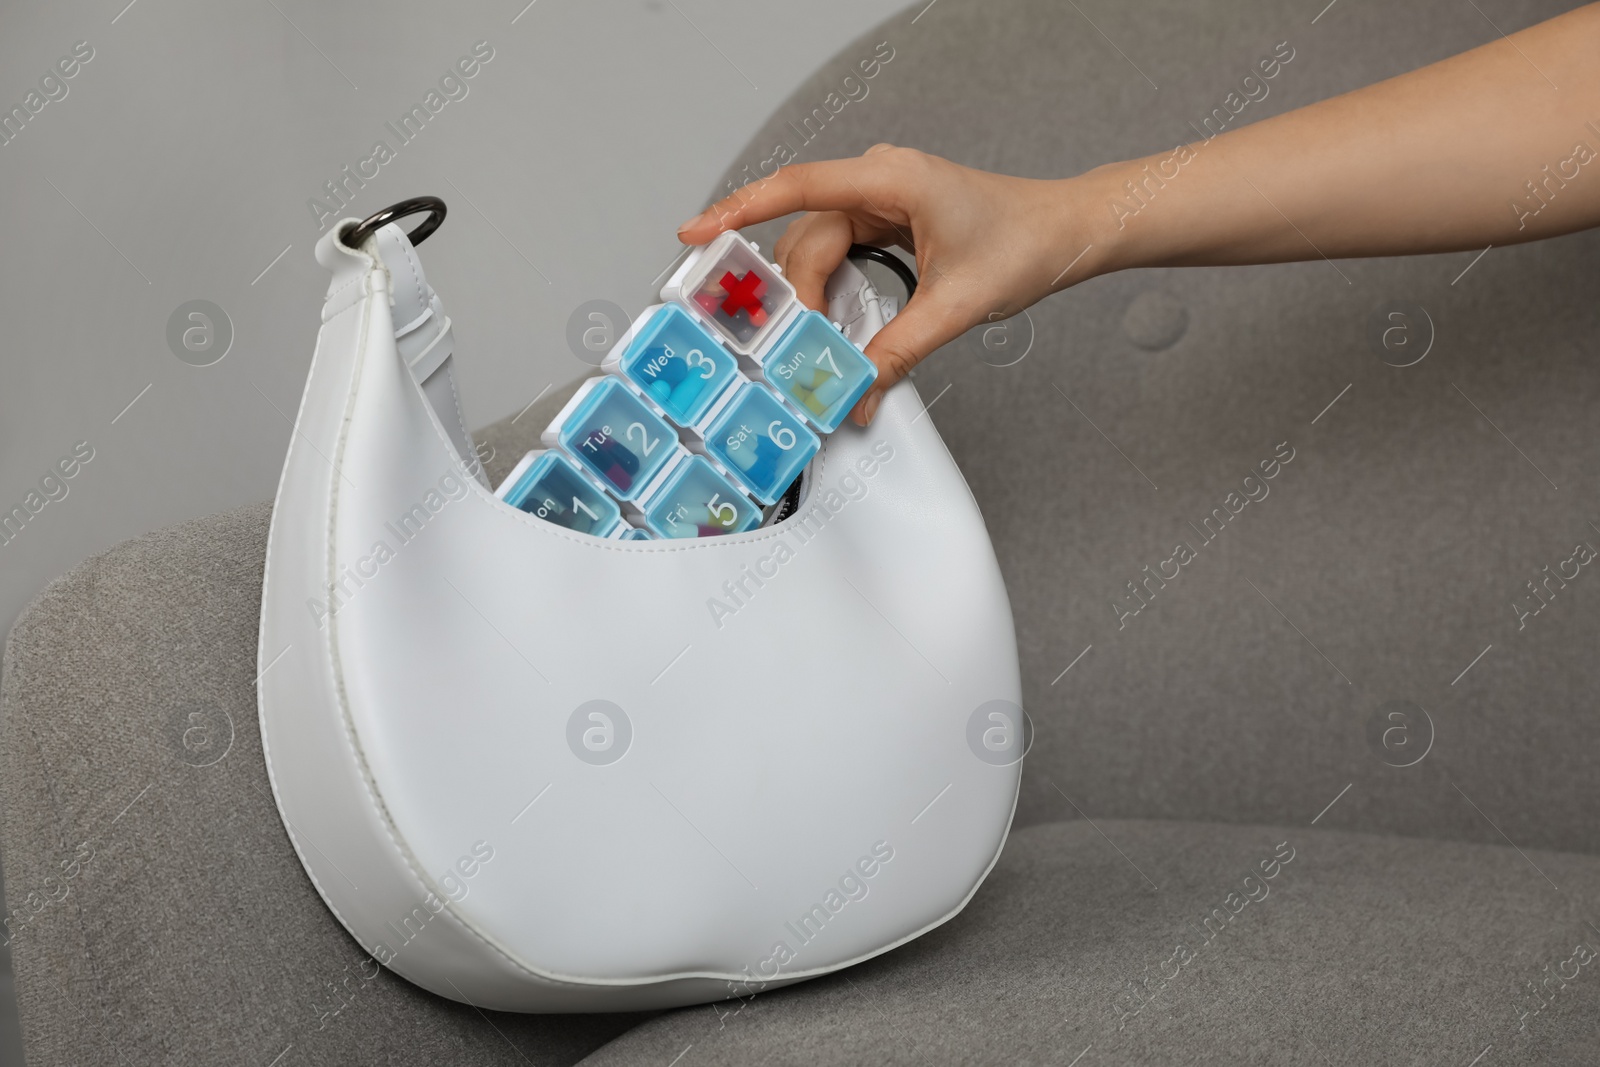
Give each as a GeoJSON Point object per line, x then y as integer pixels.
{"type": "Point", "coordinates": [718, 510]}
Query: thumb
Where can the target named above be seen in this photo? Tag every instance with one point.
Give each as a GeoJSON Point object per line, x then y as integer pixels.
{"type": "Point", "coordinates": [909, 337]}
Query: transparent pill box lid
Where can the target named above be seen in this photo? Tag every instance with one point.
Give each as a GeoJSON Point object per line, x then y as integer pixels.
{"type": "Point", "coordinates": [739, 295]}
{"type": "Point", "coordinates": [818, 370]}
{"type": "Point", "coordinates": [759, 441]}
{"type": "Point", "coordinates": [549, 486]}
{"type": "Point", "coordinates": [674, 361]}
{"type": "Point", "coordinates": [614, 435]}
{"type": "Point", "coordinates": [693, 500]}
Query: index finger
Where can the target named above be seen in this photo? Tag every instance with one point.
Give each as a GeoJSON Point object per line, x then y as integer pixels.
{"type": "Point", "coordinates": [830, 185]}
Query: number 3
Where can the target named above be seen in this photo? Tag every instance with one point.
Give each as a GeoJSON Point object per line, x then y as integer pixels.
{"type": "Point", "coordinates": [697, 358]}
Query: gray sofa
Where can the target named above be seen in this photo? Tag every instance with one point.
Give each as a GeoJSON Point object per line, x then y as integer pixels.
{"type": "Point", "coordinates": [1347, 686]}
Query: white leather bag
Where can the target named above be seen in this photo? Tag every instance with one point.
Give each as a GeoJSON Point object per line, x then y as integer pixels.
{"type": "Point", "coordinates": [538, 771]}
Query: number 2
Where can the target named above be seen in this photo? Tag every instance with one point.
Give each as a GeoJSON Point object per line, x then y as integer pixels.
{"type": "Point", "coordinates": [644, 438]}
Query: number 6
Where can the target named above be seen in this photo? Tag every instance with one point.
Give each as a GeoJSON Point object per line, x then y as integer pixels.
{"type": "Point", "coordinates": [781, 435]}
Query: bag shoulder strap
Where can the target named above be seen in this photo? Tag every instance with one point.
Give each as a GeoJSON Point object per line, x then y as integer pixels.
{"type": "Point", "coordinates": [425, 336]}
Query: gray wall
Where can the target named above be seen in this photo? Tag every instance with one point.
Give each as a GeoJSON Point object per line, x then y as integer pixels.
{"type": "Point", "coordinates": [178, 164]}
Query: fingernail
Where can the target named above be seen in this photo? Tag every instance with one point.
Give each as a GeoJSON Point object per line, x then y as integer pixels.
{"type": "Point", "coordinates": [869, 406]}
{"type": "Point", "coordinates": [692, 221]}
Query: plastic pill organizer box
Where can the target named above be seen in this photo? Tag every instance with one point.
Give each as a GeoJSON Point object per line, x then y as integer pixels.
{"type": "Point", "coordinates": [712, 406]}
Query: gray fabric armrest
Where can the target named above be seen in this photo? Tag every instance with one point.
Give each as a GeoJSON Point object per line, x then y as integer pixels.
{"type": "Point", "coordinates": [158, 913]}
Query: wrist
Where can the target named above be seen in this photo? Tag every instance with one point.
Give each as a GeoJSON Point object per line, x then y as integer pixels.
{"type": "Point", "coordinates": [1084, 228]}
{"type": "Point", "coordinates": [1101, 209]}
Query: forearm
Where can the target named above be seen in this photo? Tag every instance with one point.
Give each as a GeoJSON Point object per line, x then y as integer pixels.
{"type": "Point", "coordinates": [1494, 146]}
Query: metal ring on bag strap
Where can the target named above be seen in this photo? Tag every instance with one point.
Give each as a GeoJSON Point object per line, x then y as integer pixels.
{"type": "Point", "coordinates": [890, 260]}
{"type": "Point", "coordinates": [357, 235]}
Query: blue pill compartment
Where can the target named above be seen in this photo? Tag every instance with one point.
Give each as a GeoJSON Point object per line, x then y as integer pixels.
{"type": "Point", "coordinates": [693, 500]}
{"type": "Point", "coordinates": [614, 436]}
{"type": "Point", "coordinates": [680, 366]}
{"type": "Point", "coordinates": [818, 370]}
{"type": "Point", "coordinates": [760, 441]}
{"type": "Point", "coordinates": [549, 486]}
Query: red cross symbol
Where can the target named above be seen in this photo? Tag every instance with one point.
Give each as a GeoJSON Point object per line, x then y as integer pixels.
{"type": "Point", "coordinates": [743, 293]}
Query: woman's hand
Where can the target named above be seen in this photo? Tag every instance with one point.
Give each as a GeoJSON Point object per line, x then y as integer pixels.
{"type": "Point", "coordinates": [986, 245]}
{"type": "Point", "coordinates": [1488, 148]}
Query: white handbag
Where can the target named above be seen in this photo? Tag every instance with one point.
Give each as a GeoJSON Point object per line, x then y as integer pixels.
{"type": "Point", "coordinates": [538, 771]}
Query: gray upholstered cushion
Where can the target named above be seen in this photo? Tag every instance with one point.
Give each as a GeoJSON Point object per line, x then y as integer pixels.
{"type": "Point", "coordinates": [1393, 545]}
{"type": "Point", "coordinates": [1390, 550]}
{"type": "Point", "coordinates": [1362, 949]}
{"type": "Point", "coordinates": [160, 914]}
